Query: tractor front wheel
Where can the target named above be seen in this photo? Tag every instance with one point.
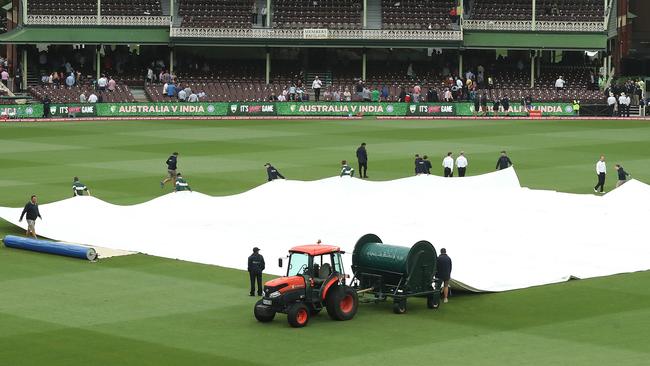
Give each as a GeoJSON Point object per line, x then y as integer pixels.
{"type": "Point", "coordinates": [298, 315]}
{"type": "Point", "coordinates": [399, 306]}
{"type": "Point", "coordinates": [433, 302]}
{"type": "Point", "coordinates": [342, 303]}
{"type": "Point", "coordinates": [262, 313]}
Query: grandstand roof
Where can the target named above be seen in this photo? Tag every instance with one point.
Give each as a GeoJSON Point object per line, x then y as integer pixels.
{"type": "Point", "coordinates": [87, 35]}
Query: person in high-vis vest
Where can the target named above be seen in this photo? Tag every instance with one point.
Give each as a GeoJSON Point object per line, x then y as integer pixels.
{"type": "Point", "coordinates": [346, 170]}
{"type": "Point", "coordinates": [181, 184]}
{"type": "Point", "coordinates": [576, 107]}
{"type": "Point", "coordinates": [78, 188]}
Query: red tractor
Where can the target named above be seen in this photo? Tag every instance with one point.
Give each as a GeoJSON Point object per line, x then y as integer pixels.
{"type": "Point", "coordinates": [315, 280]}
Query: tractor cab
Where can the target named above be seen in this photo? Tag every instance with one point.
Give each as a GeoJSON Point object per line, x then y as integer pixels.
{"type": "Point", "coordinates": [315, 280]}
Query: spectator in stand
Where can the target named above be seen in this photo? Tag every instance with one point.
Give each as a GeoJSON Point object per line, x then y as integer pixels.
{"type": "Point", "coordinates": [165, 86]}
{"type": "Point", "coordinates": [18, 79]}
{"type": "Point", "coordinates": [365, 94]}
{"type": "Point", "coordinates": [182, 95]}
{"type": "Point", "coordinates": [495, 106]}
{"type": "Point", "coordinates": [171, 90]}
{"type": "Point", "coordinates": [102, 82]}
{"type": "Point", "coordinates": [317, 84]}
{"type": "Point", "coordinates": [484, 102]}
{"type": "Point", "coordinates": [299, 94]}
{"type": "Point", "coordinates": [432, 96]}
{"type": "Point", "coordinates": [193, 98]}
{"type": "Point", "coordinates": [92, 98]}
{"type": "Point", "coordinates": [336, 96]}
{"type": "Point", "coordinates": [407, 98]}
{"type": "Point", "coordinates": [149, 76]}
{"type": "Point", "coordinates": [69, 81]}
{"type": "Point", "coordinates": [55, 79]}
{"type": "Point", "coordinates": [282, 98]}
{"type": "Point", "coordinates": [292, 91]}
{"type": "Point", "coordinates": [477, 105]}
{"type": "Point", "coordinates": [416, 93]}
{"type": "Point", "coordinates": [359, 89]}
{"type": "Point", "coordinates": [559, 84]}
{"type": "Point", "coordinates": [384, 93]}
{"type": "Point", "coordinates": [402, 95]}
{"type": "Point", "coordinates": [5, 77]}
{"type": "Point", "coordinates": [623, 105]}
{"type": "Point", "coordinates": [374, 95]}
{"type": "Point", "coordinates": [611, 104]}
{"type": "Point", "coordinates": [82, 98]}
{"type": "Point", "coordinates": [505, 103]}
{"type": "Point", "coordinates": [490, 83]}
{"type": "Point", "coordinates": [111, 85]}
{"type": "Point", "coordinates": [254, 13]}
{"type": "Point", "coordinates": [447, 96]}
{"type": "Point", "coordinates": [347, 95]}
{"type": "Point", "coordinates": [263, 13]}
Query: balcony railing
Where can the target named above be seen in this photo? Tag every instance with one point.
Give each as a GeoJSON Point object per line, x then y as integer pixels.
{"type": "Point", "coordinates": [331, 34]}
{"type": "Point", "coordinates": [84, 20]}
{"type": "Point", "coordinates": [528, 25]}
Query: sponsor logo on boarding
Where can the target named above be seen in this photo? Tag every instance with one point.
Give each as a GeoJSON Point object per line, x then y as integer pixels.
{"type": "Point", "coordinates": [390, 108]}
{"type": "Point", "coordinates": [568, 109]}
{"type": "Point", "coordinates": [253, 109]}
{"type": "Point", "coordinates": [292, 108]}
{"type": "Point", "coordinates": [211, 108]}
{"type": "Point", "coordinates": [233, 108]}
{"type": "Point", "coordinates": [431, 110]}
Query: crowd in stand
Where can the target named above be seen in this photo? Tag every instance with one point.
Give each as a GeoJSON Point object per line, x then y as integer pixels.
{"type": "Point", "coordinates": [621, 96]}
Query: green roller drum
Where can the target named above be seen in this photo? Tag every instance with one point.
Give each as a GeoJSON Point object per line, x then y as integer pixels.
{"type": "Point", "coordinates": [395, 271]}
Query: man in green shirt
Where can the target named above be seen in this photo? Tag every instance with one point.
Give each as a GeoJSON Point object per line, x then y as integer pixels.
{"type": "Point", "coordinates": [78, 188]}
{"type": "Point", "coordinates": [374, 95]}
{"type": "Point", "coordinates": [181, 184]}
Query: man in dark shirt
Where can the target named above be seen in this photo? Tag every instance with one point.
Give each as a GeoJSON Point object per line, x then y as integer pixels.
{"type": "Point", "coordinates": [427, 165]}
{"type": "Point", "coordinates": [255, 268]}
{"type": "Point", "coordinates": [362, 157]}
{"type": "Point", "coordinates": [272, 173]}
{"type": "Point", "coordinates": [171, 162]}
{"type": "Point", "coordinates": [505, 103]}
{"type": "Point", "coordinates": [622, 175]}
{"type": "Point", "coordinates": [419, 165]}
{"type": "Point", "coordinates": [504, 161]}
{"type": "Point", "coordinates": [443, 266]}
{"type": "Point", "coordinates": [31, 210]}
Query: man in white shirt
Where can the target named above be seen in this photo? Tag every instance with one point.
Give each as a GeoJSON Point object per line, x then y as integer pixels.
{"type": "Point", "coordinates": [316, 85]}
{"type": "Point", "coordinates": [559, 84]}
{"type": "Point", "coordinates": [92, 98]}
{"type": "Point", "coordinates": [282, 98]}
{"type": "Point", "coordinates": [165, 88]}
{"type": "Point", "coordinates": [82, 98]}
{"type": "Point", "coordinates": [601, 171]}
{"type": "Point", "coordinates": [182, 95]}
{"type": "Point", "coordinates": [611, 104]}
{"type": "Point", "coordinates": [461, 163]}
{"type": "Point", "coordinates": [623, 105]}
{"type": "Point", "coordinates": [102, 82]}
{"type": "Point", "coordinates": [193, 98]}
{"type": "Point", "coordinates": [448, 164]}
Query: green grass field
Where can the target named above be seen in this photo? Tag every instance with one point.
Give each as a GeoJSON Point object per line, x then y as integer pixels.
{"type": "Point", "coordinates": [141, 310]}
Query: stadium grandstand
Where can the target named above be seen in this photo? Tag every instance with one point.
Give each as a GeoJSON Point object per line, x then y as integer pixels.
{"type": "Point", "coordinates": [261, 50]}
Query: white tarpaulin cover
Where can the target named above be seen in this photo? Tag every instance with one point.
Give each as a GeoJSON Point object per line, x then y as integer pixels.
{"type": "Point", "coordinates": [500, 236]}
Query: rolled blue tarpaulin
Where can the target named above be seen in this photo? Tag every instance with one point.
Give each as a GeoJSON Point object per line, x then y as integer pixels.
{"type": "Point", "coordinates": [51, 247]}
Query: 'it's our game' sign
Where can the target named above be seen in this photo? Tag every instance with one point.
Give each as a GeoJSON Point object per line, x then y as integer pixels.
{"type": "Point", "coordinates": [431, 110]}
{"type": "Point", "coordinates": [73, 110]}
{"type": "Point", "coordinates": [252, 109]}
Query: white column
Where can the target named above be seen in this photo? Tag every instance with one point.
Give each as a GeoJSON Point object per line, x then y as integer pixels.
{"type": "Point", "coordinates": [365, 14]}
{"type": "Point", "coordinates": [268, 66]}
{"type": "Point", "coordinates": [460, 65]}
{"type": "Point", "coordinates": [99, 12]}
{"type": "Point", "coordinates": [534, 11]}
{"type": "Point", "coordinates": [24, 70]}
{"type": "Point", "coordinates": [268, 14]}
{"type": "Point", "coordinates": [24, 3]}
{"type": "Point", "coordinates": [532, 70]}
{"type": "Point", "coordinates": [98, 61]}
{"type": "Point", "coordinates": [363, 65]}
{"type": "Point", "coordinates": [171, 60]}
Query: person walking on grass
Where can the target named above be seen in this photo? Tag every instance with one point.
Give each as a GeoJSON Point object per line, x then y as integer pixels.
{"type": "Point", "coordinates": [172, 164]}
{"type": "Point", "coordinates": [346, 170]}
{"type": "Point", "coordinates": [255, 268]}
{"type": "Point", "coordinates": [461, 163]}
{"type": "Point", "coordinates": [78, 188]}
{"type": "Point", "coordinates": [181, 184]}
{"type": "Point", "coordinates": [362, 157]}
{"type": "Point", "coordinates": [31, 210]}
{"type": "Point", "coordinates": [272, 173]}
{"type": "Point", "coordinates": [601, 171]}
{"type": "Point", "coordinates": [427, 165]}
{"type": "Point", "coordinates": [622, 175]}
{"type": "Point", "coordinates": [443, 266]}
{"type": "Point", "coordinates": [504, 161]}
{"type": "Point", "coordinates": [448, 165]}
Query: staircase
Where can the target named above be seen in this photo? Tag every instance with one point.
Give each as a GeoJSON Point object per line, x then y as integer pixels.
{"type": "Point", "coordinates": [164, 5]}
{"type": "Point", "coordinates": [260, 4]}
{"type": "Point", "coordinates": [139, 95]}
{"type": "Point", "coordinates": [373, 18]}
{"type": "Point", "coordinates": [636, 111]}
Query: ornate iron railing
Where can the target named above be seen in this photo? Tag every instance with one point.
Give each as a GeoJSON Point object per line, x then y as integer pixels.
{"type": "Point", "coordinates": [127, 20]}
{"type": "Point", "coordinates": [527, 25]}
{"type": "Point", "coordinates": [348, 34]}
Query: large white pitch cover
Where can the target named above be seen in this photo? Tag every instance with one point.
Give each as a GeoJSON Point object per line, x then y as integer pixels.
{"type": "Point", "coordinates": [500, 236]}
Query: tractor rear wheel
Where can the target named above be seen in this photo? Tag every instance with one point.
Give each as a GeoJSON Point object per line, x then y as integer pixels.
{"type": "Point", "coordinates": [262, 313]}
{"type": "Point", "coordinates": [298, 315]}
{"type": "Point", "coordinates": [342, 303]}
{"type": "Point", "coordinates": [399, 306]}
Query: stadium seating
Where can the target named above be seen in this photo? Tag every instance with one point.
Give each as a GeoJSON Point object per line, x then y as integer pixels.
{"type": "Point", "coordinates": [129, 7]}
{"type": "Point", "coordinates": [331, 14]}
{"type": "Point", "coordinates": [60, 94]}
{"type": "Point", "coordinates": [216, 13]}
{"type": "Point", "coordinates": [62, 7]}
{"type": "Point", "coordinates": [416, 14]}
{"type": "Point", "coordinates": [547, 10]}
